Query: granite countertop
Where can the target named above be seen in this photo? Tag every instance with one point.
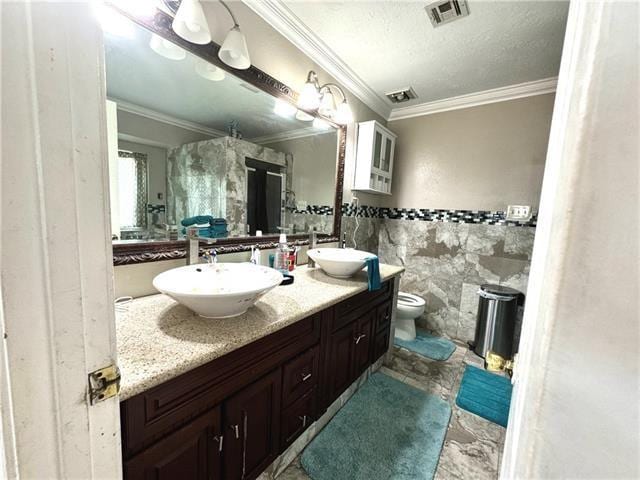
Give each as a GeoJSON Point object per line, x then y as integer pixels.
{"type": "Point", "coordinates": [159, 339]}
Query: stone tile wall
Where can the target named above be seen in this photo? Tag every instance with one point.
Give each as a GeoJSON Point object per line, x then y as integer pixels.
{"type": "Point", "coordinates": [447, 262]}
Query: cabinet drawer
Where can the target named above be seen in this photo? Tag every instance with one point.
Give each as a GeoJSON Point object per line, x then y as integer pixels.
{"type": "Point", "coordinates": [297, 417]}
{"type": "Point", "coordinates": [356, 306]}
{"type": "Point", "coordinates": [300, 375]}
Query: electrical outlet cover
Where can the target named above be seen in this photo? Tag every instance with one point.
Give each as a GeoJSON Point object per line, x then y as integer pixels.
{"type": "Point", "coordinates": [519, 212]}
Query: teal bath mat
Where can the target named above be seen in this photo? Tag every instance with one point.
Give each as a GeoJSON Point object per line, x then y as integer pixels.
{"type": "Point", "coordinates": [387, 430]}
{"type": "Point", "coordinates": [486, 394]}
{"type": "Point", "coordinates": [435, 348]}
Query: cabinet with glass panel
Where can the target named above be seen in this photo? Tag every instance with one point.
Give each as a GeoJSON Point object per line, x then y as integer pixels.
{"type": "Point", "coordinates": [374, 158]}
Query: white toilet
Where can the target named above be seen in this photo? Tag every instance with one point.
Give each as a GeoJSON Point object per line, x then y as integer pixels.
{"type": "Point", "coordinates": [409, 307]}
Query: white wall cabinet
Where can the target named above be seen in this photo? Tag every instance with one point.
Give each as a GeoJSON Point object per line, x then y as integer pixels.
{"type": "Point", "coordinates": [374, 158]}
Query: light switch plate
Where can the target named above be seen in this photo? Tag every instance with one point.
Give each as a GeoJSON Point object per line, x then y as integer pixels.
{"type": "Point", "coordinates": [519, 212]}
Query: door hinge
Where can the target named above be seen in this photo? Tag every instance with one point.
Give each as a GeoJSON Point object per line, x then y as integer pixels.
{"type": "Point", "coordinates": [104, 383]}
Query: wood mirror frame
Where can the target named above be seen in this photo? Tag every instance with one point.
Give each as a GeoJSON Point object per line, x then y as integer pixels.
{"type": "Point", "coordinates": [141, 252]}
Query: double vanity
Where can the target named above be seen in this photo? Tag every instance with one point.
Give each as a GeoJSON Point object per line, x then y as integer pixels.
{"type": "Point", "coordinates": [223, 398]}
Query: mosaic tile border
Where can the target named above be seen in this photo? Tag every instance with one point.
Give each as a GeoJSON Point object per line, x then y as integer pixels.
{"type": "Point", "coordinates": [315, 210]}
{"type": "Point", "coordinates": [485, 217]}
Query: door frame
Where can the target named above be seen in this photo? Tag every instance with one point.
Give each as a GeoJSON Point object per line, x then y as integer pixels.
{"type": "Point", "coordinates": [56, 313]}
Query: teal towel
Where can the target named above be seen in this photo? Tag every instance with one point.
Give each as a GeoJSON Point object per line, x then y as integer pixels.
{"type": "Point", "coordinates": [197, 220]}
{"type": "Point", "coordinates": [373, 271]}
{"type": "Point", "coordinates": [202, 231]}
{"type": "Point", "coordinates": [486, 394]}
{"type": "Point", "coordinates": [427, 345]}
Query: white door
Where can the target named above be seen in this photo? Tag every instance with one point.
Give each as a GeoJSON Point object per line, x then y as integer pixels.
{"type": "Point", "coordinates": [55, 250]}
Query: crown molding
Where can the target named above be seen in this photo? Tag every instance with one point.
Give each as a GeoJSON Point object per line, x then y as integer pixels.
{"type": "Point", "coordinates": [502, 94]}
{"type": "Point", "coordinates": [164, 118]}
{"type": "Point", "coordinates": [276, 13]}
{"type": "Point", "coordinates": [290, 135]}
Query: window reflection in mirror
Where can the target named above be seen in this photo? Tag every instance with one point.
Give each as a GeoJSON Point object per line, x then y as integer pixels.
{"type": "Point", "coordinates": [196, 145]}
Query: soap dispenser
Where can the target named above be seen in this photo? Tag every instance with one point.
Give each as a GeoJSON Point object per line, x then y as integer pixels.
{"type": "Point", "coordinates": [281, 261]}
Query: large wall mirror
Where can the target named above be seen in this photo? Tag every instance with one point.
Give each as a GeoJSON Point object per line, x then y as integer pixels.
{"type": "Point", "coordinates": [191, 140]}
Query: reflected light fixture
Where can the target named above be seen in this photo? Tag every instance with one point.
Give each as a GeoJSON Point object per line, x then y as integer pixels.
{"type": "Point", "coordinates": [234, 51]}
{"type": "Point", "coordinates": [165, 48]}
{"type": "Point", "coordinates": [190, 23]}
{"type": "Point", "coordinates": [321, 98]}
{"type": "Point", "coordinates": [303, 116]}
{"type": "Point", "coordinates": [284, 109]}
{"type": "Point", "coordinates": [320, 124]}
{"type": "Point", "coordinates": [209, 71]}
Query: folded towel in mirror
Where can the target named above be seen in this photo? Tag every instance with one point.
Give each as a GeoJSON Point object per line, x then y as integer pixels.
{"type": "Point", "coordinates": [373, 272]}
{"type": "Point", "coordinates": [197, 220]}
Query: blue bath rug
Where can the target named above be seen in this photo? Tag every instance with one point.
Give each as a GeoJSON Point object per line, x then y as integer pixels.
{"type": "Point", "coordinates": [387, 430]}
{"type": "Point", "coordinates": [486, 394]}
{"type": "Point", "coordinates": [435, 348]}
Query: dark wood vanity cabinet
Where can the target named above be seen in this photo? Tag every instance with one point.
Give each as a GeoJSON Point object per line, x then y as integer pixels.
{"type": "Point", "coordinates": [252, 428]}
{"type": "Point", "coordinates": [229, 419]}
{"type": "Point", "coordinates": [192, 452]}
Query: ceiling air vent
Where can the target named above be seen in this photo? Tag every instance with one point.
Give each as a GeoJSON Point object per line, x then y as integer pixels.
{"type": "Point", "coordinates": [446, 11]}
{"type": "Point", "coordinates": [402, 95]}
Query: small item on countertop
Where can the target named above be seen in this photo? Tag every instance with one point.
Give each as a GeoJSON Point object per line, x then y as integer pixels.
{"type": "Point", "coordinates": [258, 233]}
{"type": "Point", "coordinates": [255, 255]}
{"type": "Point", "coordinates": [373, 273]}
{"type": "Point", "coordinates": [281, 262]}
{"type": "Point", "coordinates": [287, 279]}
{"type": "Point", "coordinates": [293, 258]}
{"type": "Point", "coordinates": [272, 259]}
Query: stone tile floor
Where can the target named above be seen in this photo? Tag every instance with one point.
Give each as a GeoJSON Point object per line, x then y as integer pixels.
{"type": "Point", "coordinates": [473, 445]}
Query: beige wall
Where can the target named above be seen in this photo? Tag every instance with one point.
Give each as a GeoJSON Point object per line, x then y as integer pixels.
{"type": "Point", "coordinates": [479, 158]}
{"type": "Point", "coordinates": [314, 167]}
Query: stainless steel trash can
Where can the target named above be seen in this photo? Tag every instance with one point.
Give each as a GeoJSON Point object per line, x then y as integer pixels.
{"type": "Point", "coordinates": [496, 322]}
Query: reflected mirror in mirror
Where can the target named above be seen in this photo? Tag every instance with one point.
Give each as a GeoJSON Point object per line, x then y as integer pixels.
{"type": "Point", "coordinates": [192, 144]}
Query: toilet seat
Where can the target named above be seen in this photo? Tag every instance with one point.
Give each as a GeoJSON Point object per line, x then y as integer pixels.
{"type": "Point", "coordinates": [410, 300]}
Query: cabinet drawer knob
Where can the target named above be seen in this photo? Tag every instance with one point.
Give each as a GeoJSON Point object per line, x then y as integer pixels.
{"type": "Point", "coordinates": [359, 337]}
{"type": "Point", "coordinates": [236, 430]}
{"type": "Point", "coordinates": [304, 420]}
{"type": "Point", "coordinates": [306, 376]}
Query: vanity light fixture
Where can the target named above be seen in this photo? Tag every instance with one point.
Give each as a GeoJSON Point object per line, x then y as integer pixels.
{"type": "Point", "coordinates": [166, 49]}
{"type": "Point", "coordinates": [234, 51]}
{"type": "Point", "coordinates": [321, 98]}
{"type": "Point", "coordinates": [190, 23]}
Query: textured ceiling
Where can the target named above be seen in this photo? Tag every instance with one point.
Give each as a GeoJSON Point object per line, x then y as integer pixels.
{"type": "Point", "coordinates": [138, 75]}
{"type": "Point", "coordinates": [392, 44]}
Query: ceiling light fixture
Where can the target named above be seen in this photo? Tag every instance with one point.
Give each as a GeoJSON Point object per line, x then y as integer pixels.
{"type": "Point", "coordinates": [165, 48]}
{"type": "Point", "coordinates": [321, 98]}
{"type": "Point", "coordinates": [190, 23]}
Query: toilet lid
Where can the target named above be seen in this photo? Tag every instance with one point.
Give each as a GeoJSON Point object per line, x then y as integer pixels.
{"type": "Point", "coordinates": [409, 299]}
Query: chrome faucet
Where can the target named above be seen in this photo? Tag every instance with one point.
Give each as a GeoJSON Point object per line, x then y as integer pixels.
{"type": "Point", "coordinates": [211, 256]}
{"type": "Point", "coordinates": [313, 243]}
{"type": "Point", "coordinates": [193, 246]}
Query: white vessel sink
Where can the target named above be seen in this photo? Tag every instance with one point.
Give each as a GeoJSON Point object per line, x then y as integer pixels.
{"type": "Point", "coordinates": [339, 262]}
{"type": "Point", "coordinates": [218, 290]}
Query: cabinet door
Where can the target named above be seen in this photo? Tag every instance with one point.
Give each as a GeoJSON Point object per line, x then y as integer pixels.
{"type": "Point", "coordinates": [191, 453]}
{"type": "Point", "coordinates": [362, 342]}
{"type": "Point", "coordinates": [252, 428]}
{"type": "Point", "coordinates": [340, 361]}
